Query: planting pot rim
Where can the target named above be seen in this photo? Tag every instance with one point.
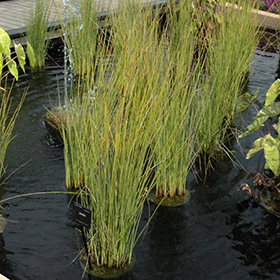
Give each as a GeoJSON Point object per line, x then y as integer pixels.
{"type": "Point", "coordinates": [99, 272]}
{"type": "Point", "coordinates": [175, 201]}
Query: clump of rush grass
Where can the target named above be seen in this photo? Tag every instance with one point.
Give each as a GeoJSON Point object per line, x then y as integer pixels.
{"type": "Point", "coordinates": [7, 123]}
{"type": "Point", "coordinates": [145, 117]}
{"type": "Point", "coordinates": [80, 35]}
{"type": "Point", "coordinates": [229, 52]}
{"type": "Point", "coordinates": [75, 132]}
{"type": "Point", "coordinates": [115, 125]}
{"type": "Point", "coordinates": [175, 146]}
{"type": "Point", "coordinates": [38, 31]}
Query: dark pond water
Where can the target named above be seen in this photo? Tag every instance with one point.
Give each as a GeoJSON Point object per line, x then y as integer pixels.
{"type": "Point", "coordinates": [217, 235]}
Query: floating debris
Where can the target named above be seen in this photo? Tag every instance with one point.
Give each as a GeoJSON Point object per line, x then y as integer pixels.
{"type": "Point", "coordinates": [246, 188]}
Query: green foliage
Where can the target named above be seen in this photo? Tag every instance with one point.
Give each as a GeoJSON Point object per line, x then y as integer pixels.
{"type": "Point", "coordinates": [244, 101]}
{"type": "Point", "coordinates": [272, 93]}
{"type": "Point", "coordinates": [12, 66]}
{"type": "Point", "coordinates": [270, 145]}
{"type": "Point", "coordinates": [204, 17]}
{"type": "Point", "coordinates": [5, 52]}
{"type": "Point", "coordinates": [20, 56]}
{"type": "Point", "coordinates": [37, 32]}
{"type": "Point", "coordinates": [256, 146]}
{"type": "Point", "coordinates": [5, 42]}
{"type": "Point", "coordinates": [257, 123]}
{"type": "Point", "coordinates": [31, 55]}
{"type": "Point", "coordinates": [146, 116]}
{"type": "Point", "coordinates": [271, 154]}
{"type": "Point", "coordinates": [104, 155]}
{"type": "Point", "coordinates": [268, 111]}
{"type": "Point", "coordinates": [6, 61]}
{"type": "Point", "coordinates": [175, 144]}
{"type": "Point", "coordinates": [124, 126]}
{"type": "Point", "coordinates": [229, 50]}
{"type": "Point", "coordinates": [6, 125]}
{"type": "Point", "coordinates": [81, 36]}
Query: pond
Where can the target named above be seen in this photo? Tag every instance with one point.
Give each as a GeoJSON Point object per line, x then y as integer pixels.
{"type": "Point", "coordinates": [219, 234]}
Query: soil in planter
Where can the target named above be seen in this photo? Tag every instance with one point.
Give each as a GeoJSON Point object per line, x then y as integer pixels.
{"type": "Point", "coordinates": [103, 272]}
{"type": "Point", "coordinates": [176, 200]}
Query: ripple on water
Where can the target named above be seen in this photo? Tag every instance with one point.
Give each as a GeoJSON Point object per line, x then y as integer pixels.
{"type": "Point", "coordinates": [218, 234]}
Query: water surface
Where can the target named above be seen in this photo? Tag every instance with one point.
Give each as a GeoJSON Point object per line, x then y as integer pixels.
{"type": "Point", "coordinates": [219, 234]}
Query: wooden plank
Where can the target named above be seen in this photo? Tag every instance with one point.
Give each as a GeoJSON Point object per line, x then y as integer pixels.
{"type": "Point", "coordinates": [266, 20]}
{"type": "Point", "coordinates": [14, 12]}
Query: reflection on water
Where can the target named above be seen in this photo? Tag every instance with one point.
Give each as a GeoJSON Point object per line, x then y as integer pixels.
{"type": "Point", "coordinates": [219, 234]}
{"type": "Point", "coordinates": [257, 241]}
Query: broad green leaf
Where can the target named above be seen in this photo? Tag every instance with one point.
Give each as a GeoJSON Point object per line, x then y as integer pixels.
{"type": "Point", "coordinates": [271, 154]}
{"type": "Point", "coordinates": [12, 67]}
{"type": "Point", "coordinates": [266, 166]}
{"type": "Point", "coordinates": [3, 223]}
{"type": "Point", "coordinates": [256, 146]}
{"type": "Point", "coordinates": [5, 42]}
{"type": "Point", "coordinates": [31, 56]}
{"type": "Point", "coordinates": [257, 123]}
{"type": "Point", "coordinates": [220, 18]}
{"type": "Point", "coordinates": [1, 65]}
{"type": "Point", "coordinates": [272, 93]}
{"type": "Point", "coordinates": [277, 139]}
{"type": "Point", "coordinates": [256, 94]}
{"type": "Point", "coordinates": [269, 111]}
{"type": "Point", "coordinates": [20, 56]}
{"type": "Point", "coordinates": [243, 102]}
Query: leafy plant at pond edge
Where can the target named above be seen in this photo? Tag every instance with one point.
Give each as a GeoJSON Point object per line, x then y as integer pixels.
{"type": "Point", "coordinates": [7, 62]}
{"type": "Point", "coordinates": [6, 59]}
{"type": "Point", "coordinates": [269, 142]}
{"type": "Point", "coordinates": [38, 33]}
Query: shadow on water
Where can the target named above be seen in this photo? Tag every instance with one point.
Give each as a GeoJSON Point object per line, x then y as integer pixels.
{"type": "Point", "coordinates": [219, 234]}
{"type": "Point", "coordinates": [257, 242]}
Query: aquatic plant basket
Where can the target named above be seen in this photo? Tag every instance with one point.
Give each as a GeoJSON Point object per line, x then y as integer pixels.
{"type": "Point", "coordinates": [176, 200]}
{"type": "Point", "coordinates": [103, 272]}
{"type": "Point", "coordinates": [267, 199]}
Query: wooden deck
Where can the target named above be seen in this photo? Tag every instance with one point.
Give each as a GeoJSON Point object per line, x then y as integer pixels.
{"type": "Point", "coordinates": [15, 12]}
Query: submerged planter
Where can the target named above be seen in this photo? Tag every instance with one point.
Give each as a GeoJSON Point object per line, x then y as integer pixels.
{"type": "Point", "coordinates": [267, 199]}
{"type": "Point", "coordinates": [103, 272]}
{"type": "Point", "coordinates": [54, 120]}
{"type": "Point", "coordinates": [174, 201]}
